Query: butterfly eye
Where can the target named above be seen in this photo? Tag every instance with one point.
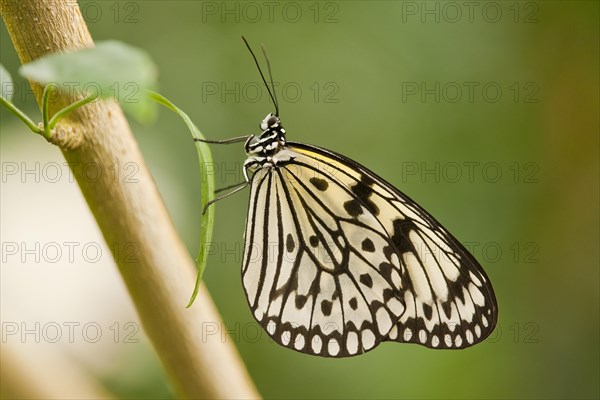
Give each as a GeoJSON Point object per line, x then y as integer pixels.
{"type": "Point", "coordinates": [272, 120]}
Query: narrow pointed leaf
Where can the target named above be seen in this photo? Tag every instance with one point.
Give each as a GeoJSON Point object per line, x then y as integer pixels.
{"type": "Point", "coordinates": [207, 187]}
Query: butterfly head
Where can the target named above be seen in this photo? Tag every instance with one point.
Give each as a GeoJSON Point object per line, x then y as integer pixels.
{"type": "Point", "coordinates": [271, 122]}
{"type": "Point", "coordinates": [272, 129]}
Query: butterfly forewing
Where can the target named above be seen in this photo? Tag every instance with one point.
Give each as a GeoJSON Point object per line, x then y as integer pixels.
{"type": "Point", "coordinates": [337, 260]}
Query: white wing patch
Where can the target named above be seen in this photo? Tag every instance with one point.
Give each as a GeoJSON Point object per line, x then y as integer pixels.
{"type": "Point", "coordinates": [337, 260]}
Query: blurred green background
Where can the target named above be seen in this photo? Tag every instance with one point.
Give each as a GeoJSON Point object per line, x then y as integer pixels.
{"type": "Point", "coordinates": [487, 116]}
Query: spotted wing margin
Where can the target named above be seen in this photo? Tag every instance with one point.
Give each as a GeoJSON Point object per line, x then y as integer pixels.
{"type": "Point", "coordinates": [448, 298]}
{"type": "Point", "coordinates": [305, 276]}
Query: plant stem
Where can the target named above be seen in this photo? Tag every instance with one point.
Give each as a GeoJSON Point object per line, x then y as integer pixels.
{"type": "Point", "coordinates": [12, 108]}
{"type": "Point", "coordinates": [199, 366]}
{"type": "Point", "coordinates": [48, 89]}
{"type": "Point", "coordinates": [68, 109]}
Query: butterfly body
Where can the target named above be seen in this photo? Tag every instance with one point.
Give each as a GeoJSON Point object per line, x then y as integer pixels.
{"type": "Point", "coordinates": [337, 260]}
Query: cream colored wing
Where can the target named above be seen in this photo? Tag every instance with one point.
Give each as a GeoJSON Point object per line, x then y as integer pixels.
{"type": "Point", "coordinates": [337, 260]}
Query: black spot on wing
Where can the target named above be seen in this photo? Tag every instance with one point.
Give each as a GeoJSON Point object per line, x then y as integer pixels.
{"type": "Point", "coordinates": [320, 184]}
{"type": "Point", "coordinates": [289, 243]}
{"type": "Point", "coordinates": [428, 311]}
{"type": "Point", "coordinates": [400, 238]}
{"type": "Point", "coordinates": [314, 288]}
{"type": "Point", "coordinates": [447, 307]}
{"type": "Point", "coordinates": [352, 207]}
{"type": "Point", "coordinates": [363, 190]}
{"type": "Point", "coordinates": [326, 306]}
{"type": "Point", "coordinates": [366, 280]}
{"type": "Point", "coordinates": [367, 245]}
{"type": "Point", "coordinates": [388, 251]}
{"type": "Point", "coordinates": [353, 303]}
{"type": "Point", "coordinates": [314, 241]}
{"type": "Point", "coordinates": [300, 301]}
{"type": "Point", "coordinates": [457, 291]}
{"type": "Point", "coordinates": [462, 281]}
{"type": "Point", "coordinates": [386, 271]}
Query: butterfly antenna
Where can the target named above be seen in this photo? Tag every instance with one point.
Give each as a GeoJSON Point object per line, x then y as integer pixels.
{"type": "Point", "coordinates": [263, 77]}
{"type": "Point", "coordinates": [271, 78]}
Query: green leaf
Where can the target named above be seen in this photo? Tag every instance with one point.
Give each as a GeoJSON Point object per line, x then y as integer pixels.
{"type": "Point", "coordinates": [112, 69]}
{"type": "Point", "coordinates": [6, 84]}
{"type": "Point", "coordinates": [207, 188]}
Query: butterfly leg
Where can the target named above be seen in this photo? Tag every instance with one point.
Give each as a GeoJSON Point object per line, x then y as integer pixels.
{"type": "Point", "coordinates": [242, 185]}
{"type": "Point", "coordinates": [213, 201]}
{"type": "Point", "coordinates": [226, 141]}
{"type": "Point", "coordinates": [219, 190]}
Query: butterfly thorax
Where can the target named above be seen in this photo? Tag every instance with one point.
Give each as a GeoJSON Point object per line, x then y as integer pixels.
{"type": "Point", "coordinates": [268, 149]}
{"type": "Point", "coordinates": [269, 143]}
{"type": "Point", "coordinates": [271, 140]}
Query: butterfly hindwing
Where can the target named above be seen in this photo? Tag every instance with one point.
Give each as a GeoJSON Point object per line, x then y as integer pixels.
{"type": "Point", "coordinates": [337, 260]}
{"type": "Point", "coordinates": [313, 290]}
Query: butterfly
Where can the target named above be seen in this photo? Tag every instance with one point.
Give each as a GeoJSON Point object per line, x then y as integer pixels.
{"type": "Point", "coordinates": [337, 260]}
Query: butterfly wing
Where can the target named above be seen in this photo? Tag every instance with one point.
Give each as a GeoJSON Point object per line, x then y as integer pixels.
{"type": "Point", "coordinates": [306, 284]}
{"type": "Point", "coordinates": [337, 260]}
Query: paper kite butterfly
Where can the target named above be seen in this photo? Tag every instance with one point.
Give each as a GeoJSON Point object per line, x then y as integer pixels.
{"type": "Point", "coordinates": [337, 260]}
